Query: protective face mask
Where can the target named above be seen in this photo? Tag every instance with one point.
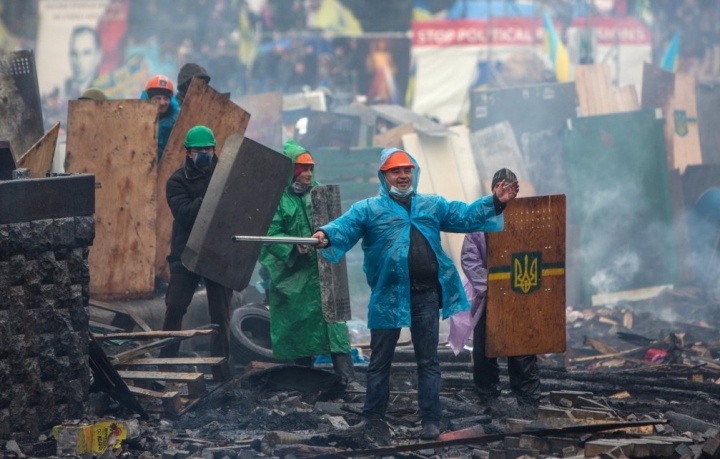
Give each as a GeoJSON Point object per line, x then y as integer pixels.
{"type": "Point", "coordinates": [300, 188]}
{"type": "Point", "coordinates": [202, 159]}
{"type": "Point", "coordinates": [401, 193]}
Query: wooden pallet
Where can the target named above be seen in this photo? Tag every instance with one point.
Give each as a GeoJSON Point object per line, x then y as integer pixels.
{"type": "Point", "coordinates": [183, 389]}
{"type": "Point", "coordinates": [219, 365]}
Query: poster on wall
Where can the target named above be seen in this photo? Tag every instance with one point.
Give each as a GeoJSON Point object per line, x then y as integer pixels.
{"type": "Point", "coordinates": [79, 46]}
{"type": "Point", "coordinates": [451, 57]}
{"type": "Point", "coordinates": [385, 70]}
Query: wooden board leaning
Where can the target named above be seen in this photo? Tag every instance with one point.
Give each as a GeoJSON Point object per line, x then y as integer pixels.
{"type": "Point", "coordinates": [202, 106]}
{"type": "Point", "coordinates": [122, 258]}
{"type": "Point", "coordinates": [334, 289]}
{"type": "Point", "coordinates": [526, 279]}
{"type": "Point", "coordinates": [39, 157]}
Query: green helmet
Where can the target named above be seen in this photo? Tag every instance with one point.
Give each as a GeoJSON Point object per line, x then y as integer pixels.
{"type": "Point", "coordinates": [199, 137]}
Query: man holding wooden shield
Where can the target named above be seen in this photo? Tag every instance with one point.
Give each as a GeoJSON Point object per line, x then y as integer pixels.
{"type": "Point", "coordinates": [185, 191]}
{"type": "Point", "coordinates": [410, 275]}
{"type": "Point", "coordinates": [523, 370]}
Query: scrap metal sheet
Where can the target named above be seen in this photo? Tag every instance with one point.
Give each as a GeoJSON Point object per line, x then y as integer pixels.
{"type": "Point", "coordinates": [241, 199]}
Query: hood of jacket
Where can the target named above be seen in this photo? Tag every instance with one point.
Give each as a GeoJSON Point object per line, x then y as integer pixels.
{"type": "Point", "coordinates": [384, 156]}
{"type": "Point", "coordinates": [292, 150]}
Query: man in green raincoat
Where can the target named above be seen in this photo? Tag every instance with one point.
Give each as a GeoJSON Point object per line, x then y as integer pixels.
{"type": "Point", "coordinates": [298, 328]}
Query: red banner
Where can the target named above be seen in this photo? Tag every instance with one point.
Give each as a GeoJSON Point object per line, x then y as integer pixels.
{"type": "Point", "coordinates": [521, 31]}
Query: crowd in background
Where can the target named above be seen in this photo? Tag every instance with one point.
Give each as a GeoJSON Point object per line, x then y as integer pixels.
{"type": "Point", "coordinates": [254, 46]}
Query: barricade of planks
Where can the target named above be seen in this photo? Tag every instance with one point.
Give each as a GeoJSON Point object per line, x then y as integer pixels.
{"type": "Point", "coordinates": [158, 382]}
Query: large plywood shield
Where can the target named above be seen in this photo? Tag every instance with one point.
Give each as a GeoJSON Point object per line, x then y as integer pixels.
{"type": "Point", "coordinates": [117, 141]}
{"type": "Point", "coordinates": [526, 279]}
{"type": "Point", "coordinates": [202, 106]}
{"type": "Point", "coordinates": [242, 197]}
{"type": "Point", "coordinates": [21, 121]}
{"type": "Point", "coordinates": [334, 289]}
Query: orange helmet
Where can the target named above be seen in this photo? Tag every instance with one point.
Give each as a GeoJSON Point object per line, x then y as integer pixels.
{"type": "Point", "coordinates": [160, 82]}
{"type": "Point", "coordinates": [398, 159]}
{"type": "Point", "coordinates": [304, 158]}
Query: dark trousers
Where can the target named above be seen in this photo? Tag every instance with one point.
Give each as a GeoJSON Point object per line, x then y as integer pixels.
{"type": "Point", "coordinates": [342, 365]}
{"type": "Point", "coordinates": [523, 371]}
{"type": "Point", "coordinates": [177, 299]}
{"type": "Point", "coordinates": [424, 329]}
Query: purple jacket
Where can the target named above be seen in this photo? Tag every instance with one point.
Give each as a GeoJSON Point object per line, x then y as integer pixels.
{"type": "Point", "coordinates": [473, 259]}
{"type": "Point", "coordinates": [474, 264]}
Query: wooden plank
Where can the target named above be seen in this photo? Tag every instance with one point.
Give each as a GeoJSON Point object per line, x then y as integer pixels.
{"type": "Point", "coordinates": [629, 295]}
{"type": "Point", "coordinates": [598, 96]}
{"type": "Point", "coordinates": [195, 381]}
{"type": "Point", "coordinates": [334, 289]}
{"type": "Point", "coordinates": [151, 393]}
{"type": "Point", "coordinates": [684, 120]}
{"type": "Point", "coordinates": [526, 280]}
{"type": "Point", "coordinates": [155, 334]}
{"type": "Point", "coordinates": [132, 353]}
{"type": "Point", "coordinates": [117, 141]}
{"type": "Point", "coordinates": [202, 106]}
{"type": "Point", "coordinates": [161, 376]}
{"type": "Point", "coordinates": [627, 99]}
{"type": "Point", "coordinates": [392, 138]}
{"type": "Point", "coordinates": [39, 157]}
{"type": "Point", "coordinates": [242, 197]}
{"type": "Point", "coordinates": [176, 361]}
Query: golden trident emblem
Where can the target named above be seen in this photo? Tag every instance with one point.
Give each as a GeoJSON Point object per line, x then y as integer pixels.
{"type": "Point", "coordinates": [526, 273]}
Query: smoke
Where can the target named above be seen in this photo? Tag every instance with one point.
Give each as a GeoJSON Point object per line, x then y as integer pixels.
{"type": "Point", "coordinates": [623, 267]}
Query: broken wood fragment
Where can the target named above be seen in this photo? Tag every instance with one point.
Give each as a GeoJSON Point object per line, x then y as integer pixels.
{"type": "Point", "coordinates": [599, 346]}
{"type": "Point", "coordinates": [175, 361]}
{"type": "Point", "coordinates": [195, 381]}
{"type": "Point", "coordinates": [155, 334]}
{"type": "Point", "coordinates": [605, 356]}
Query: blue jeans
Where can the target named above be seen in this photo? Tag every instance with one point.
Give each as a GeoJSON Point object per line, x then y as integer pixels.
{"type": "Point", "coordinates": [424, 328]}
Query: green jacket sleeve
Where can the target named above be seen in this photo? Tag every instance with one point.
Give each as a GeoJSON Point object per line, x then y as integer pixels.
{"type": "Point", "coordinates": [278, 228]}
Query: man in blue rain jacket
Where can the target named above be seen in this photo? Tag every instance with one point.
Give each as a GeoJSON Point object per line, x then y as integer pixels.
{"type": "Point", "coordinates": [410, 275]}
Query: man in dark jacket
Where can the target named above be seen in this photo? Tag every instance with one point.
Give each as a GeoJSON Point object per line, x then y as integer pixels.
{"type": "Point", "coordinates": [185, 76]}
{"type": "Point", "coordinates": [185, 191]}
{"type": "Point", "coordinates": [523, 370]}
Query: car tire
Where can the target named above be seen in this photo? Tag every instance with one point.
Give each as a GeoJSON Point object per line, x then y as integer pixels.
{"type": "Point", "coordinates": [250, 334]}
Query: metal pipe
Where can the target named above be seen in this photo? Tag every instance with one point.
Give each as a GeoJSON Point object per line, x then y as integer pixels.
{"type": "Point", "coordinates": [278, 240]}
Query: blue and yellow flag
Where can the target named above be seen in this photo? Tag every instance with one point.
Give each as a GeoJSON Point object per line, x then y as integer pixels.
{"type": "Point", "coordinates": [410, 91]}
{"type": "Point", "coordinates": [333, 16]}
{"type": "Point", "coordinates": [248, 42]}
{"type": "Point", "coordinates": [421, 12]}
{"type": "Point", "coordinates": [672, 54]}
{"type": "Point", "coordinates": [556, 49]}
